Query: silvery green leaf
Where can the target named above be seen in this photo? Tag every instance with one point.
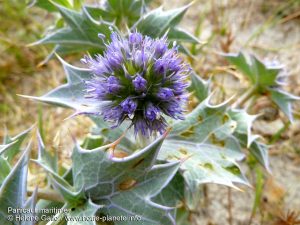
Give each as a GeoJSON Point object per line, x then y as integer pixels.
{"type": "Point", "coordinates": [257, 72]}
{"type": "Point", "coordinates": [45, 157]}
{"type": "Point", "coordinates": [124, 186]}
{"type": "Point", "coordinates": [97, 12]}
{"type": "Point", "coordinates": [157, 22]}
{"type": "Point", "coordinates": [207, 147]}
{"type": "Point", "coordinates": [260, 153]}
{"type": "Point", "coordinates": [80, 33]}
{"type": "Point", "coordinates": [4, 169]}
{"type": "Point", "coordinates": [137, 201]}
{"type": "Point", "coordinates": [247, 139]}
{"type": "Point", "coordinates": [244, 124]}
{"type": "Point", "coordinates": [181, 35]}
{"type": "Point", "coordinates": [127, 11]}
{"type": "Point", "coordinates": [173, 194]}
{"type": "Point", "coordinates": [30, 204]}
{"type": "Point", "coordinates": [208, 144]}
{"type": "Point", "coordinates": [72, 93]}
{"type": "Point", "coordinates": [128, 142]}
{"type": "Point", "coordinates": [265, 80]}
{"type": "Point", "coordinates": [92, 141]}
{"type": "Point", "coordinates": [284, 101]}
{"type": "Point", "coordinates": [199, 87]}
{"type": "Point", "coordinates": [192, 196]}
{"type": "Point", "coordinates": [44, 205]}
{"type": "Point", "coordinates": [88, 209]}
{"type": "Point", "coordinates": [4, 147]}
{"type": "Point", "coordinates": [47, 4]}
{"type": "Point", "coordinates": [11, 145]}
{"type": "Point", "coordinates": [124, 178]}
{"type": "Point", "coordinates": [67, 191]}
{"type": "Point", "coordinates": [13, 190]}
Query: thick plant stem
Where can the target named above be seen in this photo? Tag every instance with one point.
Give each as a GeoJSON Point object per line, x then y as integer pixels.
{"type": "Point", "coordinates": [244, 98]}
{"type": "Point", "coordinates": [258, 193]}
{"type": "Point", "coordinates": [46, 194]}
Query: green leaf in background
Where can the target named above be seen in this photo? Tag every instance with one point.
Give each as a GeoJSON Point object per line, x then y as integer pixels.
{"type": "Point", "coordinates": [5, 147]}
{"type": "Point", "coordinates": [12, 145]}
{"type": "Point", "coordinates": [45, 157]}
{"type": "Point", "coordinates": [244, 124]}
{"type": "Point", "coordinates": [49, 163]}
{"type": "Point", "coordinates": [248, 140]}
{"type": "Point", "coordinates": [199, 87]}
{"type": "Point", "coordinates": [260, 153]}
{"type": "Point", "coordinates": [30, 205]}
{"type": "Point", "coordinates": [123, 13]}
{"type": "Point", "coordinates": [173, 194]}
{"type": "Point", "coordinates": [4, 169]}
{"type": "Point", "coordinates": [265, 80]}
{"type": "Point", "coordinates": [180, 35]}
{"type": "Point", "coordinates": [124, 186]}
{"type": "Point", "coordinates": [81, 32]}
{"type": "Point", "coordinates": [49, 6]}
{"type": "Point", "coordinates": [13, 191]}
{"type": "Point", "coordinates": [158, 22]}
{"type": "Point", "coordinates": [283, 100]}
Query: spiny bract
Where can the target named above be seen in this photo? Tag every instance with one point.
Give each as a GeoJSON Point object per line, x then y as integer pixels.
{"type": "Point", "coordinates": [141, 79]}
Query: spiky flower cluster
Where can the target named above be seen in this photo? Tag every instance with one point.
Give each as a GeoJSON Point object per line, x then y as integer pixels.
{"type": "Point", "coordinates": [139, 79]}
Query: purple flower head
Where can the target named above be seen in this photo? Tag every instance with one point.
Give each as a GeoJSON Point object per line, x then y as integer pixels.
{"type": "Point", "coordinates": [138, 79]}
{"type": "Point", "coordinates": [165, 94]}
{"type": "Point", "coordinates": [160, 47]}
{"type": "Point", "coordinates": [140, 58]}
{"type": "Point", "coordinates": [115, 61]}
{"type": "Point", "coordinates": [139, 83]}
{"type": "Point", "coordinates": [135, 38]}
{"type": "Point", "coordinates": [175, 65]}
{"type": "Point", "coordinates": [160, 66]}
{"type": "Point", "coordinates": [128, 106]}
{"type": "Point", "coordinates": [151, 112]}
{"type": "Point", "coordinates": [113, 85]}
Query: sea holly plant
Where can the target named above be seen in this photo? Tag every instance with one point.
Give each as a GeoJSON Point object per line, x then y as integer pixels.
{"type": "Point", "coordinates": [135, 92]}
{"type": "Point", "coordinates": [266, 79]}
{"type": "Point", "coordinates": [104, 184]}
{"type": "Point", "coordinates": [13, 182]}
{"type": "Point", "coordinates": [80, 29]}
